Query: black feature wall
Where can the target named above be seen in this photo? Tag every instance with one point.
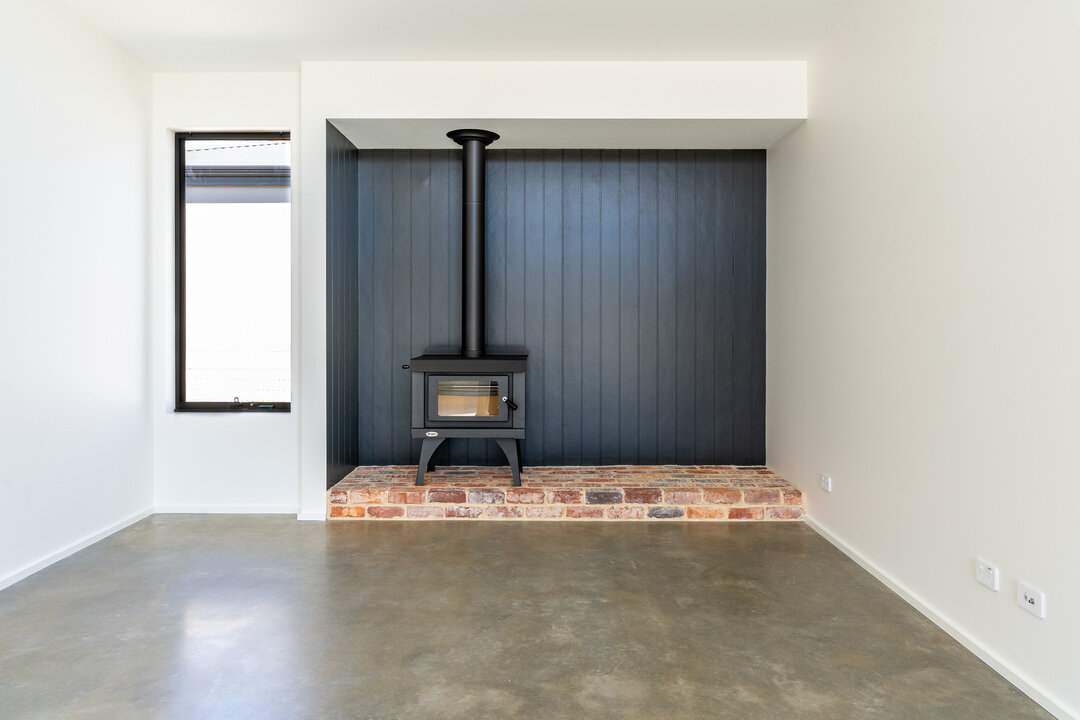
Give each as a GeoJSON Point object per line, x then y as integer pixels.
{"type": "Point", "coordinates": [342, 339]}
{"type": "Point", "coordinates": [636, 279]}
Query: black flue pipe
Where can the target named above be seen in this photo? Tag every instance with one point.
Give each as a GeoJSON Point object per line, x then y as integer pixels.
{"type": "Point", "coordinates": [472, 144]}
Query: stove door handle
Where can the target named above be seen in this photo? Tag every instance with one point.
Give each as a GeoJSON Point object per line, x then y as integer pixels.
{"type": "Point", "coordinates": [510, 403]}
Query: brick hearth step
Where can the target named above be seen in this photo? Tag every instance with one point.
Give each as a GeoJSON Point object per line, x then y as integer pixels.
{"type": "Point", "coordinates": [590, 492]}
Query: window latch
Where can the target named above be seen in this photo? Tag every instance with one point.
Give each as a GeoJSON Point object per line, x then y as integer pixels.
{"type": "Point", "coordinates": [237, 405]}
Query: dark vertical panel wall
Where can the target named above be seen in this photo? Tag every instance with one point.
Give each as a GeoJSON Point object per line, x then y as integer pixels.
{"type": "Point", "coordinates": [346, 242]}
{"type": "Point", "coordinates": [636, 279]}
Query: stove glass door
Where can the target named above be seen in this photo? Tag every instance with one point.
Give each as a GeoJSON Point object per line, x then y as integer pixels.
{"type": "Point", "coordinates": [465, 399]}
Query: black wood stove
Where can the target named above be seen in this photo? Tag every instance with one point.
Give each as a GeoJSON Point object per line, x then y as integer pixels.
{"type": "Point", "coordinates": [474, 393]}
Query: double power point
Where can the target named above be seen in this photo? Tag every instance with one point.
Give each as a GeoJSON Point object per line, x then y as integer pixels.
{"type": "Point", "coordinates": [988, 575]}
{"type": "Point", "coordinates": [1027, 597]}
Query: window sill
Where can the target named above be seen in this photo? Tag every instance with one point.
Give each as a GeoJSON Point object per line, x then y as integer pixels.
{"type": "Point", "coordinates": [233, 407]}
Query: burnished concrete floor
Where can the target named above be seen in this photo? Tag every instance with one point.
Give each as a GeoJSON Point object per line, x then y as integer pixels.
{"type": "Point", "coordinates": [201, 617]}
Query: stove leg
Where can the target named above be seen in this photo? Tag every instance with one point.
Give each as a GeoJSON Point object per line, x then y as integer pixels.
{"type": "Point", "coordinates": [427, 450]}
{"type": "Point", "coordinates": [510, 449]}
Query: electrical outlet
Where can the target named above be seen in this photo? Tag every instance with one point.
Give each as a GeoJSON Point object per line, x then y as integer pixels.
{"type": "Point", "coordinates": [826, 482]}
{"type": "Point", "coordinates": [1031, 599]}
{"type": "Point", "coordinates": [987, 574]}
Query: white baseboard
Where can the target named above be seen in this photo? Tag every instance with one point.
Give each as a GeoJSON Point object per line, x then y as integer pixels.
{"type": "Point", "coordinates": [73, 548]}
{"type": "Point", "coordinates": [1004, 669]}
{"type": "Point", "coordinates": [226, 509]}
{"type": "Point", "coordinates": [312, 516]}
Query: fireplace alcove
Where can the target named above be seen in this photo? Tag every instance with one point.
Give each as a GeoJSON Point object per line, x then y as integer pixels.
{"type": "Point", "coordinates": [635, 279]}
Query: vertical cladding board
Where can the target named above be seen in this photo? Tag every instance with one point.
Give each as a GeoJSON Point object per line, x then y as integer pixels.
{"type": "Point", "coordinates": [591, 342]}
{"type": "Point", "coordinates": [572, 309]}
{"type": "Point", "coordinates": [667, 272]}
{"type": "Point", "coordinates": [647, 319]}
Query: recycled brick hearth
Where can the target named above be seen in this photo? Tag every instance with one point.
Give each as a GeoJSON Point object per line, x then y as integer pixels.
{"type": "Point", "coordinates": [605, 492]}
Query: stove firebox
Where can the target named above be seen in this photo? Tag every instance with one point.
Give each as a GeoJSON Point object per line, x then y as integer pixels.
{"type": "Point", "coordinates": [477, 392]}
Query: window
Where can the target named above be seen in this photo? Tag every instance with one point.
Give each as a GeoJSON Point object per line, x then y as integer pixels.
{"type": "Point", "coordinates": [233, 250]}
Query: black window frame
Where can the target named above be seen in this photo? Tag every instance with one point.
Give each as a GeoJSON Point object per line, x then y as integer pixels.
{"type": "Point", "coordinates": [180, 199]}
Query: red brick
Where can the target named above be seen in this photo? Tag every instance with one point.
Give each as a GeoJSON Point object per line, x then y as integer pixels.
{"type": "Point", "coordinates": [486, 496]}
{"type": "Point", "coordinates": [762, 497]}
{"type": "Point", "coordinates": [626, 513]}
{"type": "Point", "coordinates": [446, 496]}
{"type": "Point", "coordinates": [525, 495]}
{"type": "Point", "coordinates": [706, 513]}
{"type": "Point", "coordinates": [723, 497]}
{"type": "Point", "coordinates": [405, 497]}
{"type": "Point", "coordinates": [793, 497]}
{"type": "Point", "coordinates": [683, 497]}
{"type": "Point", "coordinates": [503, 511]}
{"type": "Point", "coordinates": [385, 511]}
{"type": "Point", "coordinates": [576, 511]}
{"type": "Point", "coordinates": [744, 513]}
{"type": "Point", "coordinates": [346, 511]}
{"type": "Point", "coordinates": [648, 496]}
{"type": "Point", "coordinates": [338, 497]}
{"type": "Point", "coordinates": [360, 497]}
{"type": "Point", "coordinates": [565, 497]}
{"type": "Point", "coordinates": [424, 511]}
{"type": "Point", "coordinates": [784, 513]}
{"type": "Point", "coordinates": [544, 512]}
{"type": "Point", "coordinates": [457, 511]}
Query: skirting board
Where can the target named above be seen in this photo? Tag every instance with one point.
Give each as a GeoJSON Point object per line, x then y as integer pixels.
{"type": "Point", "coordinates": [1002, 668]}
{"type": "Point", "coordinates": [226, 509]}
{"type": "Point", "coordinates": [312, 516]}
{"type": "Point", "coordinates": [74, 548]}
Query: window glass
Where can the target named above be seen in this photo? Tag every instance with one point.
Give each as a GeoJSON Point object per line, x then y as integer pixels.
{"type": "Point", "coordinates": [236, 272]}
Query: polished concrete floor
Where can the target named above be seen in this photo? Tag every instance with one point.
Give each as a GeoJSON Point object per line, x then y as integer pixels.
{"type": "Point", "coordinates": [205, 617]}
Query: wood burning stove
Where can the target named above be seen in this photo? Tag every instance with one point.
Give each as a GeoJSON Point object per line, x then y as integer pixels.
{"type": "Point", "coordinates": [477, 393]}
{"type": "Point", "coordinates": [458, 397]}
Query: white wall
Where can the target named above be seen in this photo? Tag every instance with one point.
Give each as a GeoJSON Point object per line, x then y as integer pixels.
{"type": "Point", "coordinates": [555, 91]}
{"type": "Point", "coordinates": [924, 314]}
{"type": "Point", "coordinates": [74, 439]}
{"type": "Point", "coordinates": [216, 462]}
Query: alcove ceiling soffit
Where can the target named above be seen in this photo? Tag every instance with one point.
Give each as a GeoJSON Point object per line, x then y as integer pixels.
{"type": "Point", "coordinates": [522, 133]}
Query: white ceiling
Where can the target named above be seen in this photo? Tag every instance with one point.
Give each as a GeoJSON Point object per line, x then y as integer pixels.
{"type": "Point", "coordinates": [261, 35]}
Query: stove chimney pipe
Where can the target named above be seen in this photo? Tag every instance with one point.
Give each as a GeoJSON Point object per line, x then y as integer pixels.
{"type": "Point", "coordinates": [472, 144]}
